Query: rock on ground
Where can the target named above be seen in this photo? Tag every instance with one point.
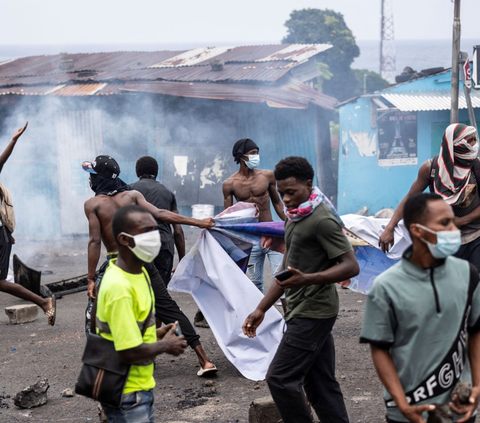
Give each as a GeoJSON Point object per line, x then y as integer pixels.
{"type": "Point", "coordinates": [263, 410]}
{"type": "Point", "coordinates": [33, 396]}
{"type": "Point", "coordinates": [19, 314]}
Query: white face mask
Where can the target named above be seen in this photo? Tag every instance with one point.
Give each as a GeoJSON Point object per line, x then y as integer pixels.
{"type": "Point", "coordinates": [147, 245]}
{"type": "Point", "coordinates": [253, 161]}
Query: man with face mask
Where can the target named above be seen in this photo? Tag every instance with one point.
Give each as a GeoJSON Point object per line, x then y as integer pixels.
{"type": "Point", "coordinates": [256, 186]}
{"type": "Point", "coordinates": [125, 306]}
{"type": "Point", "coordinates": [111, 193]}
{"type": "Point", "coordinates": [422, 319]}
{"type": "Point", "coordinates": [455, 175]}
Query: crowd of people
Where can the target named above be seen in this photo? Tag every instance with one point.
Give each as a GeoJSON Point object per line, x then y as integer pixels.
{"type": "Point", "coordinates": [422, 316]}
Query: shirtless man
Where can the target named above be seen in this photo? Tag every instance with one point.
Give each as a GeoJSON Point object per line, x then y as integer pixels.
{"type": "Point", "coordinates": [255, 186]}
{"type": "Point", "coordinates": [111, 193]}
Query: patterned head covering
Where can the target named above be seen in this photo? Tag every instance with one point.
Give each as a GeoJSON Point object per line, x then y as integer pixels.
{"type": "Point", "coordinates": [455, 163]}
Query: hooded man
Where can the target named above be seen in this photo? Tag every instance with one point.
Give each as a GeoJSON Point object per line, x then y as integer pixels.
{"type": "Point", "coordinates": [111, 193]}
{"type": "Point", "coordinates": [256, 186]}
{"type": "Point", "coordinates": [454, 175]}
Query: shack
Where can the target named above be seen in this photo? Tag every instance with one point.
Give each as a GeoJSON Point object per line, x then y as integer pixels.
{"type": "Point", "coordinates": [185, 108]}
{"type": "Point", "coordinates": [385, 137]}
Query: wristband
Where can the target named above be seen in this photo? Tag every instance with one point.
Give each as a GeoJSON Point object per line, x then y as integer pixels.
{"type": "Point", "coordinates": [91, 277]}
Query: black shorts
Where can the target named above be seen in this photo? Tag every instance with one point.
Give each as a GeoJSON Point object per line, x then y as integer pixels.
{"type": "Point", "coordinates": [5, 251]}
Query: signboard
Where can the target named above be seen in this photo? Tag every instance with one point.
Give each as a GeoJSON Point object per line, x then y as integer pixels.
{"type": "Point", "coordinates": [476, 67]}
{"type": "Point", "coordinates": [466, 74]}
{"type": "Point", "coordinates": [397, 139]}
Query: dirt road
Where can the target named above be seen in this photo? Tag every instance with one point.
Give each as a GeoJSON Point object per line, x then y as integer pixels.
{"type": "Point", "coordinates": [33, 351]}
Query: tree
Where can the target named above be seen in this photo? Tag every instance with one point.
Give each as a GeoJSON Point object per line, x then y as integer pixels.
{"type": "Point", "coordinates": [315, 26]}
{"type": "Point", "coordinates": [373, 80]}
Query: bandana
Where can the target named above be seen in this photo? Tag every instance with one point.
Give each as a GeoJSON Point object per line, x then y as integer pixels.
{"type": "Point", "coordinates": [104, 186]}
{"type": "Point", "coordinates": [305, 209]}
{"type": "Point", "coordinates": [242, 147]}
{"type": "Point", "coordinates": [455, 163]}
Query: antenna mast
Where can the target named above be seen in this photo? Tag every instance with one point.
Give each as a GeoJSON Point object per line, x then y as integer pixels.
{"type": "Point", "coordinates": [387, 43]}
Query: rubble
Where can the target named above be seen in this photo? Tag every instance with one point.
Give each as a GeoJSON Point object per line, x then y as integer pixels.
{"type": "Point", "coordinates": [32, 396]}
{"type": "Point", "coordinates": [441, 414]}
{"type": "Point", "coordinates": [263, 410]}
{"type": "Point", "coordinates": [68, 393]}
{"type": "Point", "coordinates": [19, 314]}
{"type": "Point", "coordinates": [384, 214]}
{"type": "Point", "coordinates": [462, 390]}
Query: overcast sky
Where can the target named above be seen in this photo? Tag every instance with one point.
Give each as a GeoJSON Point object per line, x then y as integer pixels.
{"type": "Point", "coordinates": [214, 21]}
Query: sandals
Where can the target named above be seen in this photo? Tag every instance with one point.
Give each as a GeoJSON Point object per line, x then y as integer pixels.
{"type": "Point", "coordinates": [52, 313]}
{"type": "Point", "coordinates": [207, 372]}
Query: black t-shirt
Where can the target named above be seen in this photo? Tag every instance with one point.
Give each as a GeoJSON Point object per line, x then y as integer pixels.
{"type": "Point", "coordinates": [161, 197]}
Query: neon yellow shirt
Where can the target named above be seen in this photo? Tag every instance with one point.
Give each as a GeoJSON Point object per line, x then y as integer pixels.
{"type": "Point", "coordinates": [125, 299]}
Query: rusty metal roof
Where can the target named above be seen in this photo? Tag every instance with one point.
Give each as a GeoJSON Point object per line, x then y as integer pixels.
{"type": "Point", "coordinates": [250, 73]}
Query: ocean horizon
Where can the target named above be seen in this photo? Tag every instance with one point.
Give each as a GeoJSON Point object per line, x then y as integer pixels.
{"type": "Point", "coordinates": [418, 54]}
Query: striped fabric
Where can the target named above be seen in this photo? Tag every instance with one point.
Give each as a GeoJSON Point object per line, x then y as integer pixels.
{"type": "Point", "coordinates": [455, 163]}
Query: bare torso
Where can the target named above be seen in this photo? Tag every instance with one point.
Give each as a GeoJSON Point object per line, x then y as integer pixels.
{"type": "Point", "coordinates": [253, 188]}
{"type": "Point", "coordinates": [105, 207]}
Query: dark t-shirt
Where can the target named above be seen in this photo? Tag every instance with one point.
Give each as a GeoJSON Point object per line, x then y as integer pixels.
{"type": "Point", "coordinates": [312, 244]}
{"type": "Point", "coordinates": [162, 198]}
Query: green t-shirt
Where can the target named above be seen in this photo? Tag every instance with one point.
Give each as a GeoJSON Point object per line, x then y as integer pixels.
{"type": "Point", "coordinates": [312, 245]}
{"type": "Point", "coordinates": [124, 303]}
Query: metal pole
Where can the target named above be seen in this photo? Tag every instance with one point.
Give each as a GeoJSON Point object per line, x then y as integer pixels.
{"type": "Point", "coordinates": [455, 56]}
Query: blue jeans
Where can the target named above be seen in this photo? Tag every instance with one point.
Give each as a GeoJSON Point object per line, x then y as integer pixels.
{"type": "Point", "coordinates": [257, 262]}
{"type": "Point", "coordinates": [137, 407]}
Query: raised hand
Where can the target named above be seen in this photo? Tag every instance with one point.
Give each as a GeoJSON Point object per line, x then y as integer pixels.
{"type": "Point", "coordinates": [19, 133]}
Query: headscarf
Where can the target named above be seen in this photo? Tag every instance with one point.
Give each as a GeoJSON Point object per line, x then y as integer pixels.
{"type": "Point", "coordinates": [455, 163]}
{"type": "Point", "coordinates": [104, 186]}
{"type": "Point", "coordinates": [242, 147]}
{"type": "Point", "coordinates": [305, 209]}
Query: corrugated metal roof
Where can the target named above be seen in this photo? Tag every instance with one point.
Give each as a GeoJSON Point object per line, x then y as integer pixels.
{"type": "Point", "coordinates": [288, 54]}
{"type": "Point", "coordinates": [65, 90]}
{"type": "Point", "coordinates": [421, 101]}
{"type": "Point", "coordinates": [292, 94]}
{"type": "Point", "coordinates": [255, 72]}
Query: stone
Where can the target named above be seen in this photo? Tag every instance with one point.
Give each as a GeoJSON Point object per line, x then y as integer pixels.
{"type": "Point", "coordinates": [18, 314]}
{"type": "Point", "coordinates": [462, 390]}
{"type": "Point", "coordinates": [441, 414]}
{"type": "Point", "coordinates": [264, 410]}
{"type": "Point", "coordinates": [68, 393]}
{"type": "Point", "coordinates": [208, 383]}
{"type": "Point", "coordinates": [32, 396]}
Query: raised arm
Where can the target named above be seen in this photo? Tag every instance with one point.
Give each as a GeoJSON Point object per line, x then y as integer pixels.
{"type": "Point", "coordinates": [227, 189]}
{"type": "Point", "coordinates": [8, 151]}
{"type": "Point", "coordinates": [419, 185]}
{"type": "Point", "coordinates": [94, 246]}
{"type": "Point", "coordinates": [272, 189]}
{"type": "Point", "coordinates": [171, 217]}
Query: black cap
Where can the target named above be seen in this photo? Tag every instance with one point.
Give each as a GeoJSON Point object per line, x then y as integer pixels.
{"type": "Point", "coordinates": [105, 166]}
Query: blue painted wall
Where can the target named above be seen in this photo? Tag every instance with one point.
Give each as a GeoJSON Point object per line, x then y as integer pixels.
{"type": "Point", "coordinates": [361, 181]}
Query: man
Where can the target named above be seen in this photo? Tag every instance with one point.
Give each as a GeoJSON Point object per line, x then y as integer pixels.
{"type": "Point", "coordinates": [124, 304]}
{"type": "Point", "coordinates": [162, 198]}
{"type": "Point", "coordinates": [255, 186]}
{"type": "Point", "coordinates": [111, 193]}
{"type": "Point", "coordinates": [454, 175]}
{"type": "Point", "coordinates": [317, 254]}
{"type": "Point", "coordinates": [7, 225]}
{"type": "Point", "coordinates": [417, 317]}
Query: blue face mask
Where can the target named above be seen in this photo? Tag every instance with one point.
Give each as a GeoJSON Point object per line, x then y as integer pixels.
{"type": "Point", "coordinates": [448, 242]}
{"type": "Point", "coordinates": [253, 161]}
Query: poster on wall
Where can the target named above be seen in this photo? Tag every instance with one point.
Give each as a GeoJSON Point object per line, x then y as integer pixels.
{"type": "Point", "coordinates": [397, 139]}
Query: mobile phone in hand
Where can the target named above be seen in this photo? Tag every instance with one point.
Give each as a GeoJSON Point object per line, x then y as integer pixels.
{"type": "Point", "coordinates": [178, 330]}
{"type": "Point", "coordinates": [283, 276]}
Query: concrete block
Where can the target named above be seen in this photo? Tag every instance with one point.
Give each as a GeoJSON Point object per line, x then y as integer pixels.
{"type": "Point", "coordinates": [21, 313]}
{"type": "Point", "coordinates": [263, 410]}
{"type": "Point", "coordinates": [33, 396]}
